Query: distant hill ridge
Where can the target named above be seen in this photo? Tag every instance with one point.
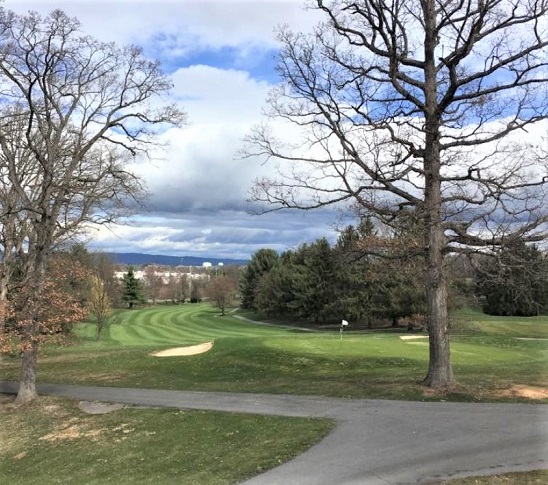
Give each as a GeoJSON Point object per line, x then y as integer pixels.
{"type": "Point", "coordinates": [138, 259]}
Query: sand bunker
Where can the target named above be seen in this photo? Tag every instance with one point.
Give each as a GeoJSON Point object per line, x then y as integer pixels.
{"type": "Point", "coordinates": [412, 337]}
{"type": "Point", "coordinates": [178, 351]}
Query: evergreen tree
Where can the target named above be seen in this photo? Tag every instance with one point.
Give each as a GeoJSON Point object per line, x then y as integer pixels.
{"type": "Point", "coordinates": [314, 279]}
{"type": "Point", "coordinates": [132, 291]}
{"type": "Point", "coordinates": [353, 278]}
{"type": "Point", "coordinates": [514, 281]}
{"type": "Point", "coordinates": [261, 263]}
{"type": "Point", "coordinates": [275, 291]}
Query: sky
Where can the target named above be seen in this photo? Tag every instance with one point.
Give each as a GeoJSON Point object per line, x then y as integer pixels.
{"type": "Point", "coordinates": [220, 55]}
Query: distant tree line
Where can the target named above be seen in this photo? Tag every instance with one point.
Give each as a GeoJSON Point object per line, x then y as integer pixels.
{"type": "Point", "coordinates": [368, 276]}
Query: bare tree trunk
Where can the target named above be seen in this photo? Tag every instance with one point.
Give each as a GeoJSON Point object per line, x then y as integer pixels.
{"type": "Point", "coordinates": [27, 377]}
{"type": "Point", "coordinates": [5, 275]}
{"type": "Point", "coordinates": [3, 302]}
{"type": "Point", "coordinates": [3, 306]}
{"type": "Point", "coordinates": [440, 374]}
{"type": "Point", "coordinates": [31, 326]}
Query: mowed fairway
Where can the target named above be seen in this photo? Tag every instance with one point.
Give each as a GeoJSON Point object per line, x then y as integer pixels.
{"type": "Point", "coordinates": [183, 325]}
{"type": "Point", "coordinates": [250, 357]}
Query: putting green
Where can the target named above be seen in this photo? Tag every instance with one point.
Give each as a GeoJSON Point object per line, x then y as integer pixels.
{"type": "Point", "coordinates": [463, 351]}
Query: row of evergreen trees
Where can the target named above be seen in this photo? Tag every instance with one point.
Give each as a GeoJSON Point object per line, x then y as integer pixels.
{"type": "Point", "coordinates": [367, 277]}
{"type": "Point", "coordinates": [363, 277]}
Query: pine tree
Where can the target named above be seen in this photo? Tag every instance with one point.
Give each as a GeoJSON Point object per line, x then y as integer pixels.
{"type": "Point", "coordinates": [132, 290]}
{"type": "Point", "coordinates": [514, 281]}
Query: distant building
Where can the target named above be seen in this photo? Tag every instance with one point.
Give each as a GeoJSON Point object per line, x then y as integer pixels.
{"type": "Point", "coordinates": [164, 274]}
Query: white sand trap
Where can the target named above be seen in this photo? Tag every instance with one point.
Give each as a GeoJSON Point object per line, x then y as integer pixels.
{"type": "Point", "coordinates": [189, 350]}
{"type": "Point", "coordinates": [412, 337]}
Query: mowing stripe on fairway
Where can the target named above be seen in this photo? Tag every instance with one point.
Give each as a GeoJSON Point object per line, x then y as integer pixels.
{"type": "Point", "coordinates": [183, 325]}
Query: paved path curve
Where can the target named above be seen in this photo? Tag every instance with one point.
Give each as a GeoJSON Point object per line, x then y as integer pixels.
{"type": "Point", "coordinates": [375, 442]}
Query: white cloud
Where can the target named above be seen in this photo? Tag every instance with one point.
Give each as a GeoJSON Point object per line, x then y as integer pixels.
{"type": "Point", "coordinates": [199, 170]}
{"type": "Point", "coordinates": [198, 189]}
{"type": "Point", "coordinates": [218, 96]}
{"type": "Point", "coordinates": [184, 25]}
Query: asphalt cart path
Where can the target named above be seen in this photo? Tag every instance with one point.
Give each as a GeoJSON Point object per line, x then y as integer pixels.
{"type": "Point", "coordinates": [375, 442]}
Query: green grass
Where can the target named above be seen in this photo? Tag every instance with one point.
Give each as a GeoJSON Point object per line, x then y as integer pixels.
{"type": "Point", "coordinates": [490, 355]}
{"type": "Point", "coordinates": [264, 358]}
{"type": "Point", "coordinates": [473, 322]}
{"type": "Point", "coordinates": [52, 441]}
{"type": "Point", "coordinates": [177, 325]}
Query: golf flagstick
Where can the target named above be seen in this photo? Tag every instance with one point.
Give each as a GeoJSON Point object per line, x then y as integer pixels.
{"type": "Point", "coordinates": [344, 323]}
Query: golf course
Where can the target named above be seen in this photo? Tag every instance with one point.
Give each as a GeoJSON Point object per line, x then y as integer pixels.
{"type": "Point", "coordinates": [495, 359]}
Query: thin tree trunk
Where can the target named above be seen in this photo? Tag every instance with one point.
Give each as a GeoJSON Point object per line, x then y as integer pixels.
{"type": "Point", "coordinates": [3, 307]}
{"type": "Point", "coordinates": [3, 303]}
{"type": "Point", "coordinates": [5, 274]}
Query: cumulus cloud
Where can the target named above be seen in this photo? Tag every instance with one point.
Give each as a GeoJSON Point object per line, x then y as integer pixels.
{"type": "Point", "coordinates": [200, 169]}
{"type": "Point", "coordinates": [219, 54]}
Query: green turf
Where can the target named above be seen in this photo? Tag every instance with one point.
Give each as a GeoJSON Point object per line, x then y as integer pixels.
{"type": "Point", "coordinates": [489, 354]}
{"type": "Point", "coordinates": [178, 325]}
{"type": "Point", "coordinates": [472, 321]}
{"type": "Point", "coordinates": [247, 357]}
{"type": "Point", "coordinates": [52, 441]}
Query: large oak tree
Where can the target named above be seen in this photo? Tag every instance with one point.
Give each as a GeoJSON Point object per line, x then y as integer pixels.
{"type": "Point", "coordinates": [425, 107]}
{"type": "Point", "coordinates": [73, 113]}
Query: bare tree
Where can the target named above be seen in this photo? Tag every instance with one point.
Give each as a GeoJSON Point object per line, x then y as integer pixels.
{"type": "Point", "coordinates": [98, 302]}
{"type": "Point", "coordinates": [221, 292]}
{"type": "Point", "coordinates": [423, 106]}
{"type": "Point", "coordinates": [74, 112]}
{"type": "Point", "coordinates": [178, 286]}
{"type": "Point", "coordinates": [153, 282]}
{"type": "Point", "coordinates": [104, 268]}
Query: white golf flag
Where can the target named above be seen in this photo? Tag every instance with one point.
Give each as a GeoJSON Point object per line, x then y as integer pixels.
{"type": "Point", "coordinates": [344, 323]}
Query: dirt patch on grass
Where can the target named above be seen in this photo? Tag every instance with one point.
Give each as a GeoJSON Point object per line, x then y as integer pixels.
{"type": "Point", "coordinates": [72, 432]}
{"type": "Point", "coordinates": [96, 407]}
{"type": "Point", "coordinates": [529, 392]}
{"type": "Point", "coordinates": [181, 351]}
{"type": "Point", "coordinates": [533, 393]}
